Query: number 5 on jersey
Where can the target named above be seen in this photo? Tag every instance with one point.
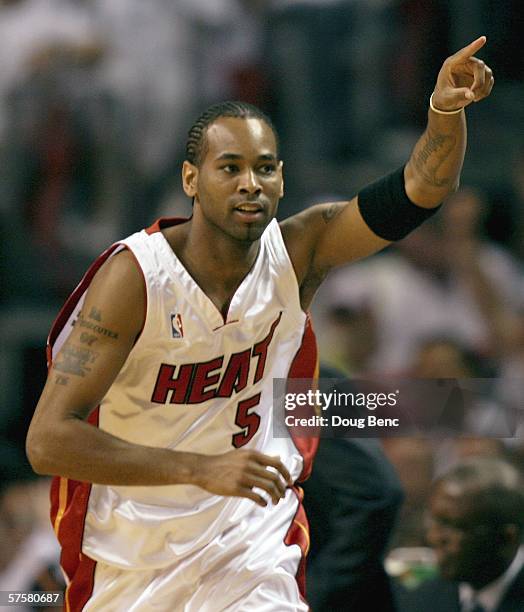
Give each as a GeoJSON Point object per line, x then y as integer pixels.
{"type": "Point", "coordinates": [249, 422]}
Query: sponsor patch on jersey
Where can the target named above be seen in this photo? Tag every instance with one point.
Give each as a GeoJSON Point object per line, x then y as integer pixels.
{"type": "Point", "coordinates": [176, 326]}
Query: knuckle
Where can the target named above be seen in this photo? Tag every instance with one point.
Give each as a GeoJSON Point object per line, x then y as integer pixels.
{"type": "Point", "coordinates": [251, 456]}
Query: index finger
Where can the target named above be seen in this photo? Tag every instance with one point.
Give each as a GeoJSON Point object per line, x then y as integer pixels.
{"type": "Point", "coordinates": [469, 50]}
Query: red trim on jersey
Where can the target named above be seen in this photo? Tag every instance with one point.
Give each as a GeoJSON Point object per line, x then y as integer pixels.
{"type": "Point", "coordinates": [68, 308]}
{"type": "Point", "coordinates": [144, 288]}
{"type": "Point", "coordinates": [298, 533]}
{"type": "Point", "coordinates": [305, 365]}
{"type": "Point", "coordinates": [165, 222]}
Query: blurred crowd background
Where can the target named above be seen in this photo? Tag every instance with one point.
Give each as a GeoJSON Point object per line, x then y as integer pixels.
{"type": "Point", "coordinates": [96, 98]}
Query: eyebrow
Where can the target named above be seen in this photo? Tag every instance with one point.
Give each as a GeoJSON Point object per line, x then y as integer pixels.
{"type": "Point", "coordinates": [264, 157]}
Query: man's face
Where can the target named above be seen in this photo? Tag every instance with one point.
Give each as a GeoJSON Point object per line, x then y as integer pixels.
{"type": "Point", "coordinates": [463, 545]}
{"type": "Point", "coordinates": [239, 181]}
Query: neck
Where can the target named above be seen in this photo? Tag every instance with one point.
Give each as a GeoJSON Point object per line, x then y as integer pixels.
{"type": "Point", "coordinates": [217, 263]}
{"type": "Point", "coordinates": [214, 252]}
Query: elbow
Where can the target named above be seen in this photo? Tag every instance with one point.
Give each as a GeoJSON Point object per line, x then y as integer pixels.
{"type": "Point", "coordinates": [39, 454]}
{"type": "Point", "coordinates": [35, 454]}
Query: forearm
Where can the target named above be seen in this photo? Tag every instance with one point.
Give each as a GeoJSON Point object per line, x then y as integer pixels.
{"type": "Point", "coordinates": [77, 450]}
{"type": "Point", "coordinates": [433, 170]}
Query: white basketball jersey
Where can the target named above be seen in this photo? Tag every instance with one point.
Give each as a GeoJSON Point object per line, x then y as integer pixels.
{"type": "Point", "coordinates": [193, 382]}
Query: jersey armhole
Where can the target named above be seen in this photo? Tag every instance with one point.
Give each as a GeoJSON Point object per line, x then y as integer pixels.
{"type": "Point", "coordinates": [64, 321]}
{"type": "Point", "coordinates": [278, 248]}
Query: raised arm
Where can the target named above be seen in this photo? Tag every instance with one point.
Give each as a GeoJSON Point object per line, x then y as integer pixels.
{"type": "Point", "coordinates": [329, 235]}
{"type": "Point", "coordinates": [433, 170]}
{"type": "Point", "coordinates": [61, 442]}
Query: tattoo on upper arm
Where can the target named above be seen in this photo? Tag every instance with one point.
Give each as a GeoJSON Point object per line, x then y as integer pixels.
{"type": "Point", "coordinates": [95, 314]}
{"type": "Point", "coordinates": [97, 329]}
{"type": "Point", "coordinates": [61, 380]}
{"type": "Point", "coordinates": [75, 360]}
{"type": "Point", "coordinates": [430, 157]}
{"type": "Point", "coordinates": [88, 339]}
{"type": "Point", "coordinates": [332, 211]}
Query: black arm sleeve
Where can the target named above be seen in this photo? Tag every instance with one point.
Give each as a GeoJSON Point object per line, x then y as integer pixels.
{"type": "Point", "coordinates": [388, 211]}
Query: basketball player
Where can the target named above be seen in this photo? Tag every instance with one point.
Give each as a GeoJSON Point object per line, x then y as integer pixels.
{"type": "Point", "coordinates": [172, 493]}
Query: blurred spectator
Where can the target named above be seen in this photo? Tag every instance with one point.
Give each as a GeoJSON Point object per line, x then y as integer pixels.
{"type": "Point", "coordinates": [419, 460]}
{"type": "Point", "coordinates": [51, 49]}
{"type": "Point", "coordinates": [414, 462]}
{"type": "Point", "coordinates": [34, 34]}
{"type": "Point", "coordinates": [442, 279]}
{"type": "Point", "coordinates": [481, 414]}
{"type": "Point", "coordinates": [488, 272]}
{"type": "Point", "coordinates": [149, 71]}
{"type": "Point", "coordinates": [29, 556]}
{"type": "Point", "coordinates": [352, 338]}
{"type": "Point", "coordinates": [231, 64]}
{"type": "Point", "coordinates": [476, 526]}
{"type": "Point", "coordinates": [518, 196]}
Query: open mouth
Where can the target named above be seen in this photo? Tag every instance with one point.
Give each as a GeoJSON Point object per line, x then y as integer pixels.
{"type": "Point", "coordinates": [249, 208]}
{"type": "Point", "coordinates": [249, 211]}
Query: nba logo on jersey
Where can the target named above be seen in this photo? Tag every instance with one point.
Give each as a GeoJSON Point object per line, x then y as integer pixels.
{"type": "Point", "coordinates": [176, 326]}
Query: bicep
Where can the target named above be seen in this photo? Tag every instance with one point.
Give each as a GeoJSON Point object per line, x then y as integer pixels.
{"type": "Point", "coordinates": [99, 343]}
{"type": "Point", "coordinates": [323, 237]}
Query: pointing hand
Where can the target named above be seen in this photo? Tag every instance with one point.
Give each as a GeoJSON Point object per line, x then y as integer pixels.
{"type": "Point", "coordinates": [463, 79]}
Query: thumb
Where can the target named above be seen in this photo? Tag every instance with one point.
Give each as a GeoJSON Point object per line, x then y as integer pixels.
{"type": "Point", "coordinates": [463, 93]}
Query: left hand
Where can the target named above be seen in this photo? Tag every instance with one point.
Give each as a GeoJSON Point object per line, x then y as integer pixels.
{"type": "Point", "coordinates": [463, 79]}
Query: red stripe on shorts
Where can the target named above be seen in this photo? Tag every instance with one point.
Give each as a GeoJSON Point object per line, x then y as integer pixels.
{"type": "Point", "coordinates": [68, 516]}
{"type": "Point", "coordinates": [298, 534]}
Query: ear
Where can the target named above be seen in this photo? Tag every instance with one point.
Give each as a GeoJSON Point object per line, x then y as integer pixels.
{"type": "Point", "coordinates": [280, 170]}
{"type": "Point", "coordinates": [189, 179]}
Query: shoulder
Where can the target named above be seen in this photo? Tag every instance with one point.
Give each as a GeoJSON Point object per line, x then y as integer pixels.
{"type": "Point", "coordinates": [119, 288]}
{"type": "Point", "coordinates": [308, 220]}
{"type": "Point", "coordinates": [120, 271]}
{"type": "Point", "coordinates": [302, 231]}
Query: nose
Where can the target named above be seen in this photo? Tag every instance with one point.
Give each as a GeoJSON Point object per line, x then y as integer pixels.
{"type": "Point", "coordinates": [248, 183]}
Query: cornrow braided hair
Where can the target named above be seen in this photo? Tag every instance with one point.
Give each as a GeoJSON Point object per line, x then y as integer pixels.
{"type": "Point", "coordinates": [196, 136]}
